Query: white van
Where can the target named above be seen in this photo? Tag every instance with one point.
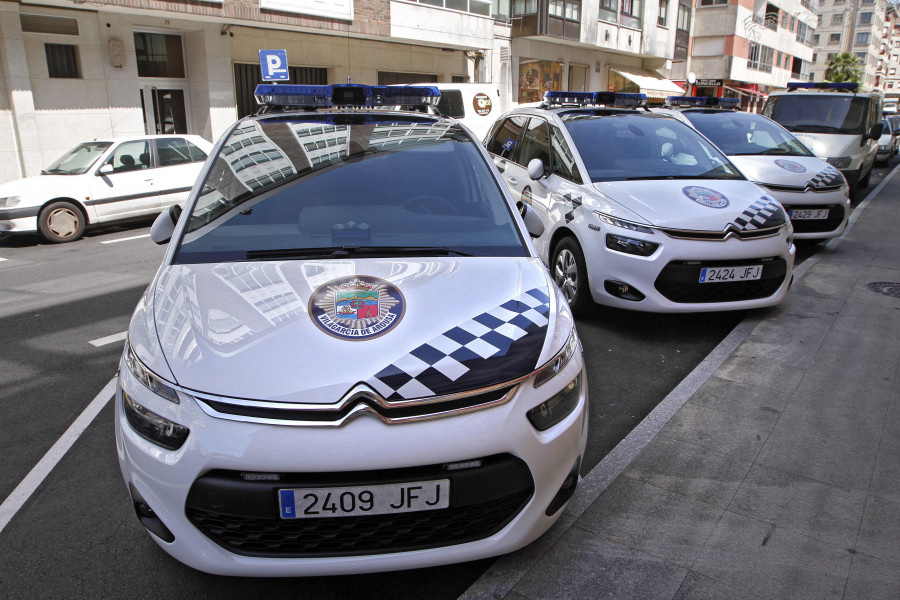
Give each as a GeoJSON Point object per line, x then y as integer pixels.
{"type": "Point", "coordinates": [476, 105]}
{"type": "Point", "coordinates": [834, 122]}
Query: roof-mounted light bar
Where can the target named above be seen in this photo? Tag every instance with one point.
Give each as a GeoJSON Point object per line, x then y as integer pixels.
{"type": "Point", "coordinates": [845, 86]}
{"type": "Point", "coordinates": [595, 98]}
{"type": "Point", "coordinates": [702, 101]}
{"type": "Point", "coordinates": [349, 94]}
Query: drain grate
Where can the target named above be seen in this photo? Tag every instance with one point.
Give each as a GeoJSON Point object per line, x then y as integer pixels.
{"type": "Point", "coordinates": [888, 288]}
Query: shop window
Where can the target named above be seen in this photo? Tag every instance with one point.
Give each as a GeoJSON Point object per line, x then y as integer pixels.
{"type": "Point", "coordinates": [62, 61]}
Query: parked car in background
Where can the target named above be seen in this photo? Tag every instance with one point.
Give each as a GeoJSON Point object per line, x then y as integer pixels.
{"type": "Point", "coordinates": [640, 211]}
{"type": "Point", "coordinates": [815, 194]}
{"type": "Point", "coordinates": [887, 143]}
{"type": "Point", "coordinates": [103, 181]}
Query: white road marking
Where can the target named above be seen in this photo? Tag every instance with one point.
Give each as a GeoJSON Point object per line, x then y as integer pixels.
{"type": "Point", "coordinates": [27, 487]}
{"type": "Point", "coordinates": [110, 339]}
{"type": "Point", "coordinates": [134, 237]}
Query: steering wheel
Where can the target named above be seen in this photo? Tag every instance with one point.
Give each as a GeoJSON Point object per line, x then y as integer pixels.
{"type": "Point", "coordinates": [429, 205]}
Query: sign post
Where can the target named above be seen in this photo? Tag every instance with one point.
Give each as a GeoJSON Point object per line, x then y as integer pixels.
{"type": "Point", "coordinates": [273, 65]}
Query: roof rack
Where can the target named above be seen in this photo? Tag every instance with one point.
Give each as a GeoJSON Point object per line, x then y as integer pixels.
{"type": "Point", "coordinates": [351, 95]}
{"type": "Point", "coordinates": [823, 85]}
{"type": "Point", "coordinates": [702, 101]}
{"type": "Point", "coordinates": [594, 98]}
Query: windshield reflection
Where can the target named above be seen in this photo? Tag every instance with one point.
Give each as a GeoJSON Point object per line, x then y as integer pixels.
{"type": "Point", "coordinates": [745, 134]}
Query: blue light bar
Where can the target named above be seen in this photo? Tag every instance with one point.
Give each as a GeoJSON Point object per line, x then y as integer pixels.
{"type": "Point", "coordinates": [702, 101]}
{"type": "Point", "coordinates": [823, 85]}
{"type": "Point", "coordinates": [595, 98]}
{"type": "Point", "coordinates": [326, 96]}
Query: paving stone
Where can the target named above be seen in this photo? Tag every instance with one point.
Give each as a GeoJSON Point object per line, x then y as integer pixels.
{"type": "Point", "coordinates": [840, 420]}
{"type": "Point", "coordinates": [827, 385]}
{"type": "Point", "coordinates": [826, 280]}
{"type": "Point", "coordinates": [663, 524]}
{"type": "Point", "coordinates": [800, 504]}
{"type": "Point", "coordinates": [763, 405]}
{"type": "Point", "coordinates": [718, 431]}
{"type": "Point", "coordinates": [700, 587]}
{"type": "Point", "coordinates": [673, 464]}
{"type": "Point", "coordinates": [879, 534]}
{"type": "Point", "coordinates": [798, 312]}
{"type": "Point", "coordinates": [761, 559]}
{"type": "Point", "coordinates": [583, 565]}
{"type": "Point", "coordinates": [872, 579]}
{"type": "Point", "coordinates": [886, 478]}
{"type": "Point", "coordinates": [874, 321]}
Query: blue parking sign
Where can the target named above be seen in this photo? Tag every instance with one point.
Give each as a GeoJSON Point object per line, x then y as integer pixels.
{"type": "Point", "coordinates": [273, 64]}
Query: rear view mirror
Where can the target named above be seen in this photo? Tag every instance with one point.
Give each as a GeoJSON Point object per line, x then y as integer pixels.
{"type": "Point", "coordinates": [105, 169]}
{"type": "Point", "coordinates": [877, 130]}
{"type": "Point", "coordinates": [164, 226]}
{"type": "Point", "coordinates": [533, 222]}
{"type": "Point", "coordinates": [536, 168]}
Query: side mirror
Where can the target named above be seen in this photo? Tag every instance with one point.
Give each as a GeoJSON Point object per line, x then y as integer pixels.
{"type": "Point", "coordinates": [164, 226]}
{"type": "Point", "coordinates": [533, 222]}
{"type": "Point", "coordinates": [105, 169]}
{"type": "Point", "coordinates": [536, 168]}
{"type": "Point", "coordinates": [877, 130]}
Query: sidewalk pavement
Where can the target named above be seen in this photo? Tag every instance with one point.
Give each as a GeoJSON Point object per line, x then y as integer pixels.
{"type": "Point", "coordinates": [772, 471]}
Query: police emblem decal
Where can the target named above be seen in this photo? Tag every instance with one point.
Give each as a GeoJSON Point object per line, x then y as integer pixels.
{"type": "Point", "coordinates": [357, 307]}
{"type": "Point", "coordinates": [789, 165]}
{"type": "Point", "coordinates": [705, 196]}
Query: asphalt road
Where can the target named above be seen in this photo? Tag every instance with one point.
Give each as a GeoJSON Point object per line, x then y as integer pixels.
{"type": "Point", "coordinates": [77, 535]}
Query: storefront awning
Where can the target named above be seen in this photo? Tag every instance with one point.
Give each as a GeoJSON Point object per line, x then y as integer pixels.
{"type": "Point", "coordinates": [746, 91]}
{"type": "Point", "coordinates": [652, 84]}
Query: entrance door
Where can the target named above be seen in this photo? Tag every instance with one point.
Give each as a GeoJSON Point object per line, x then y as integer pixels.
{"type": "Point", "coordinates": [166, 110]}
{"type": "Point", "coordinates": [577, 79]}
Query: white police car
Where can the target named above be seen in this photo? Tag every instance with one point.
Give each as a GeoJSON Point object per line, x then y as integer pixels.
{"type": "Point", "coordinates": [102, 181]}
{"type": "Point", "coordinates": [641, 211]}
{"type": "Point", "coordinates": [815, 194]}
{"type": "Point", "coordinates": [351, 358]}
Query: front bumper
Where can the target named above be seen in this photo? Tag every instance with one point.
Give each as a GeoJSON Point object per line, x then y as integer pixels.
{"type": "Point", "coordinates": [678, 261]}
{"type": "Point", "coordinates": [199, 486]}
{"type": "Point", "coordinates": [836, 201]}
{"type": "Point", "coordinates": [13, 220]}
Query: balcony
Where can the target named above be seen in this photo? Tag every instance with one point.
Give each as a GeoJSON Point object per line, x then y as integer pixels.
{"type": "Point", "coordinates": [465, 23]}
{"type": "Point", "coordinates": [552, 18]}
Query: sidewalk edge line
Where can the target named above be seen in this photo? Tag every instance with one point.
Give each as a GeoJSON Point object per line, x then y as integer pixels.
{"type": "Point", "coordinates": [506, 572]}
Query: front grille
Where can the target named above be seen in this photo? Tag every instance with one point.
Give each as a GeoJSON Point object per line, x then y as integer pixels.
{"type": "Point", "coordinates": [804, 188]}
{"type": "Point", "coordinates": [242, 516]}
{"type": "Point", "coordinates": [679, 281]}
{"type": "Point", "coordinates": [720, 236]}
{"type": "Point", "coordinates": [834, 220]}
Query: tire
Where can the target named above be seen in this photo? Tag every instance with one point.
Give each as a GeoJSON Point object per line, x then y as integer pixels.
{"type": "Point", "coordinates": [61, 222]}
{"type": "Point", "coordinates": [569, 271]}
{"type": "Point", "coordinates": [864, 182]}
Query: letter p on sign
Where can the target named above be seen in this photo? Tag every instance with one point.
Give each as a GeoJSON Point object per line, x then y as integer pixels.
{"type": "Point", "coordinates": [273, 65]}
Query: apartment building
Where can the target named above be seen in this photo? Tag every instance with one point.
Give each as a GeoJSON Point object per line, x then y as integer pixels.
{"type": "Point", "coordinates": [855, 26]}
{"type": "Point", "coordinates": [889, 58]}
{"type": "Point", "coordinates": [746, 48]}
{"type": "Point", "coordinates": [75, 70]}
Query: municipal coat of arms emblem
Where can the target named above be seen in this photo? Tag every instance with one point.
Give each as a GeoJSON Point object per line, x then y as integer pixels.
{"type": "Point", "coordinates": [789, 165]}
{"type": "Point", "coordinates": [705, 196]}
{"type": "Point", "coordinates": [356, 307]}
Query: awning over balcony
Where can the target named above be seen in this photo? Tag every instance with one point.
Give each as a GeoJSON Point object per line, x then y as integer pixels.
{"type": "Point", "coordinates": [652, 84]}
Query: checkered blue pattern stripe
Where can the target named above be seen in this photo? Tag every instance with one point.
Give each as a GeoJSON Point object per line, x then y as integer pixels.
{"type": "Point", "coordinates": [495, 346]}
{"type": "Point", "coordinates": [762, 214]}
{"type": "Point", "coordinates": [826, 177]}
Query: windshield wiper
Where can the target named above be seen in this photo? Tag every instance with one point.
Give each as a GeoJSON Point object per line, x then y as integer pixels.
{"type": "Point", "coordinates": [361, 251]}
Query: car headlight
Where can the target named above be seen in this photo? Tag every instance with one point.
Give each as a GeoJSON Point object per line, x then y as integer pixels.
{"type": "Point", "coordinates": [628, 245]}
{"type": "Point", "coordinates": [150, 380]}
{"type": "Point", "coordinates": [610, 220]}
{"type": "Point", "coordinates": [840, 163]}
{"type": "Point", "coordinates": [10, 201]}
{"type": "Point", "coordinates": [556, 364]}
{"type": "Point", "coordinates": [151, 426]}
{"type": "Point", "coordinates": [549, 413]}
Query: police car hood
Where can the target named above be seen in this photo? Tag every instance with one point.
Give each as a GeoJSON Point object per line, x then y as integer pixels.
{"type": "Point", "coordinates": [309, 331]}
{"type": "Point", "coordinates": [829, 145]}
{"type": "Point", "coordinates": [795, 171]}
{"type": "Point", "coordinates": [696, 204]}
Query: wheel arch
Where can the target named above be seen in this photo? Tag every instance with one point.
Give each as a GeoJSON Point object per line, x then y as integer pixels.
{"type": "Point", "coordinates": [81, 208]}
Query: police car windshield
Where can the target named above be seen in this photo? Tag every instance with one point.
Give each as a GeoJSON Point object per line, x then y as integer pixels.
{"type": "Point", "coordinates": [641, 146]}
{"type": "Point", "coordinates": [360, 185]}
{"type": "Point", "coordinates": [77, 160]}
{"type": "Point", "coordinates": [746, 134]}
{"type": "Point", "coordinates": [824, 112]}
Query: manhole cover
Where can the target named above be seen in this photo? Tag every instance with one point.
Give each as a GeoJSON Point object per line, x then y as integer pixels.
{"type": "Point", "coordinates": [888, 288]}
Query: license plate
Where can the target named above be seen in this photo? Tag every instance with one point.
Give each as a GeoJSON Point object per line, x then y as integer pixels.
{"type": "Point", "coordinates": [317, 503]}
{"type": "Point", "coordinates": [805, 214]}
{"type": "Point", "coordinates": [720, 274]}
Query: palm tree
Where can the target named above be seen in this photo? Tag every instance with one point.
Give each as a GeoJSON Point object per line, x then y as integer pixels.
{"type": "Point", "coordinates": [846, 66]}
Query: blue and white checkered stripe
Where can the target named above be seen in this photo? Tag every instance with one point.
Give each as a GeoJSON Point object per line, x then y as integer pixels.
{"type": "Point", "coordinates": [495, 346]}
{"type": "Point", "coordinates": [762, 214]}
{"type": "Point", "coordinates": [826, 177]}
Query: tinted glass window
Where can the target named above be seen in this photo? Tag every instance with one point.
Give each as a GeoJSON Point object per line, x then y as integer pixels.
{"type": "Point", "coordinates": [639, 146]}
{"type": "Point", "coordinates": [820, 113]}
{"type": "Point", "coordinates": [739, 134]}
{"type": "Point", "coordinates": [372, 185]}
{"type": "Point", "coordinates": [451, 104]}
{"type": "Point", "coordinates": [536, 143]}
{"type": "Point", "coordinates": [563, 159]}
{"type": "Point", "coordinates": [504, 143]}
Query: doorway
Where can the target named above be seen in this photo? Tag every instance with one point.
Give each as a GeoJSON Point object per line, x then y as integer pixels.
{"type": "Point", "coordinates": [577, 78]}
{"type": "Point", "coordinates": [166, 110]}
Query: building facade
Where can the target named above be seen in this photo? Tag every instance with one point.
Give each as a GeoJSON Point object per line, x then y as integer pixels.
{"type": "Point", "coordinates": [856, 26]}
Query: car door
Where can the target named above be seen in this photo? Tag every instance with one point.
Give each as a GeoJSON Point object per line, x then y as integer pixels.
{"type": "Point", "coordinates": [123, 185]}
{"type": "Point", "coordinates": [503, 144]}
{"type": "Point", "coordinates": [178, 163]}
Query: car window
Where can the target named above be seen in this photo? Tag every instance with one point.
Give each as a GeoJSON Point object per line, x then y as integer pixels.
{"type": "Point", "coordinates": [505, 141]}
{"type": "Point", "coordinates": [747, 134]}
{"type": "Point", "coordinates": [197, 155]}
{"type": "Point", "coordinates": [374, 182]}
{"type": "Point", "coordinates": [130, 156]}
{"type": "Point", "coordinates": [535, 142]}
{"type": "Point", "coordinates": [563, 159]}
{"type": "Point", "coordinates": [77, 160]}
{"type": "Point", "coordinates": [639, 146]}
{"type": "Point", "coordinates": [820, 113]}
{"type": "Point", "coordinates": [173, 151]}
{"type": "Point", "coordinates": [451, 104]}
